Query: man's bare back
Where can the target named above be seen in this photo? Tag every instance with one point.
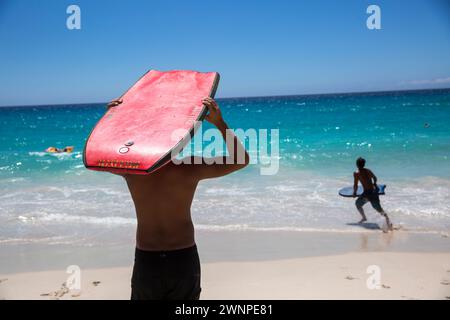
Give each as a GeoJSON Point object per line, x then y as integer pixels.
{"type": "Point", "coordinates": [163, 207]}
{"type": "Point", "coordinates": [365, 176]}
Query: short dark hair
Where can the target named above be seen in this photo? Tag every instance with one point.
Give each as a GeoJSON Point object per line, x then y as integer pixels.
{"type": "Point", "coordinates": [360, 162]}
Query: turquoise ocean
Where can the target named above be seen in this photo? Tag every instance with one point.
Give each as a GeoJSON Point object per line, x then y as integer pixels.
{"type": "Point", "coordinates": [405, 137]}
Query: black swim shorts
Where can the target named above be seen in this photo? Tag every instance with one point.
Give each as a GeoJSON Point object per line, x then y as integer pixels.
{"type": "Point", "coordinates": [166, 275]}
{"type": "Point", "coordinates": [372, 197]}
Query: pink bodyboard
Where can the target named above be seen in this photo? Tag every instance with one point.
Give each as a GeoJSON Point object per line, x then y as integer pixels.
{"type": "Point", "coordinates": [137, 136]}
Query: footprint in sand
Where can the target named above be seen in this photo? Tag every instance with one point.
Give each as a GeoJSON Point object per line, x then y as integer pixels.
{"type": "Point", "coordinates": [445, 282]}
{"type": "Point", "coordinates": [3, 280]}
{"type": "Point", "coordinates": [96, 283]}
{"type": "Point", "coordinates": [385, 286]}
{"type": "Point", "coordinates": [350, 278]}
{"type": "Point", "coordinates": [58, 293]}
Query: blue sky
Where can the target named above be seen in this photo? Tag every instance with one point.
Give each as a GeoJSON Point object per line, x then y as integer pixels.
{"type": "Point", "coordinates": [259, 47]}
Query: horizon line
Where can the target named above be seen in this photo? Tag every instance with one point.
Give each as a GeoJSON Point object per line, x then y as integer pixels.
{"type": "Point", "coordinates": [249, 97]}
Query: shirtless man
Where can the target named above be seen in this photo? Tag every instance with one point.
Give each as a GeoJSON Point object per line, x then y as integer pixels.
{"type": "Point", "coordinates": [370, 193]}
{"type": "Point", "coordinates": [166, 263]}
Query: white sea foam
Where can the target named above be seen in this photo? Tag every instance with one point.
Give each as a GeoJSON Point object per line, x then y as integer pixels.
{"type": "Point", "coordinates": [59, 156]}
{"type": "Point", "coordinates": [37, 153]}
{"type": "Point", "coordinates": [291, 201]}
{"type": "Point", "coordinates": [53, 240]}
{"type": "Point", "coordinates": [13, 180]}
{"type": "Point", "coordinates": [80, 219]}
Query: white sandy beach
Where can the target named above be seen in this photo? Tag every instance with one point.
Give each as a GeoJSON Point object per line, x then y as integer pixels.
{"type": "Point", "coordinates": [403, 276]}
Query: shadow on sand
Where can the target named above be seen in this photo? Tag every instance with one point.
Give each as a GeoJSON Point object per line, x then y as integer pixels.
{"type": "Point", "coordinates": [365, 225]}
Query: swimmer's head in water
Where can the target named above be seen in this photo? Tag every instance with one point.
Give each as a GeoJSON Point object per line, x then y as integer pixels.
{"type": "Point", "coordinates": [57, 150]}
{"type": "Point", "coordinates": [360, 163]}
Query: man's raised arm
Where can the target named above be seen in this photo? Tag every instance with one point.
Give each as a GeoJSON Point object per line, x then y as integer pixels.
{"type": "Point", "coordinates": [238, 157]}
